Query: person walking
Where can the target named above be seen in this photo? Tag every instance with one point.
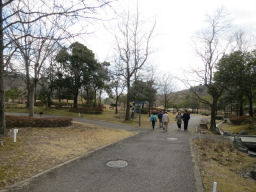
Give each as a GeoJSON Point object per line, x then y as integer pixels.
{"type": "Point", "coordinates": [178, 119]}
{"type": "Point", "coordinates": [153, 119]}
{"type": "Point", "coordinates": [165, 120]}
{"type": "Point", "coordinates": [186, 117]}
{"type": "Point", "coordinates": [160, 117]}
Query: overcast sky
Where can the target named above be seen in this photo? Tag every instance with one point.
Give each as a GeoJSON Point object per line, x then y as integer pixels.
{"type": "Point", "coordinates": [177, 22]}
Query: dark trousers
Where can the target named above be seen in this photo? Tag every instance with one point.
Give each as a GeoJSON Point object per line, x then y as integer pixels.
{"type": "Point", "coordinates": [179, 125]}
{"type": "Point", "coordinates": [185, 125]}
{"type": "Point", "coordinates": [153, 124]}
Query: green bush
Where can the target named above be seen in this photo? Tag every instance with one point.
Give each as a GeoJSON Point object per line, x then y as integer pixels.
{"type": "Point", "coordinates": [23, 121]}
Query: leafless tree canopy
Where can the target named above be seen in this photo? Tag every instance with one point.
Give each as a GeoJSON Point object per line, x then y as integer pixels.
{"type": "Point", "coordinates": [211, 45]}
{"type": "Point", "coordinates": [133, 47]}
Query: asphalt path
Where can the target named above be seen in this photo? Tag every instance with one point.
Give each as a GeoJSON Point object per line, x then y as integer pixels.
{"type": "Point", "coordinates": [157, 161]}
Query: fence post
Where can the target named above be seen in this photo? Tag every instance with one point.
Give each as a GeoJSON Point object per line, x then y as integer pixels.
{"type": "Point", "coordinates": [214, 186]}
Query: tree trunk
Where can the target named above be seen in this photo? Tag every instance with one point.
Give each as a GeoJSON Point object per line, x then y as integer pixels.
{"type": "Point", "coordinates": [100, 97]}
{"type": "Point", "coordinates": [116, 111]}
{"type": "Point", "coordinates": [3, 130]}
{"type": "Point", "coordinates": [59, 95]}
{"type": "Point", "coordinates": [95, 97]}
{"type": "Point", "coordinates": [35, 85]}
{"type": "Point", "coordinates": [75, 98]}
{"type": "Point", "coordinates": [31, 97]}
{"type": "Point", "coordinates": [127, 113]}
{"type": "Point", "coordinates": [213, 114]}
{"type": "Point", "coordinates": [250, 105]}
{"type": "Point", "coordinates": [149, 110]}
{"type": "Point", "coordinates": [241, 107]}
{"type": "Point", "coordinates": [165, 102]}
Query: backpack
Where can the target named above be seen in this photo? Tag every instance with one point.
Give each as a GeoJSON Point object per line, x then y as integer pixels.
{"type": "Point", "coordinates": [153, 118]}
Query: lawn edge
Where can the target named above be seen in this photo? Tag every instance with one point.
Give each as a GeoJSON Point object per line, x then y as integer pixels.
{"type": "Point", "coordinates": [26, 182]}
{"type": "Point", "coordinates": [196, 167]}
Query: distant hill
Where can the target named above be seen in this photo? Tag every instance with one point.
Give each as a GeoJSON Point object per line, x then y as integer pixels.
{"type": "Point", "coordinates": [178, 96]}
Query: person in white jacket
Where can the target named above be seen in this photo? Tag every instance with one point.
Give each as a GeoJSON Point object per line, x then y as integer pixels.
{"type": "Point", "coordinates": [165, 121]}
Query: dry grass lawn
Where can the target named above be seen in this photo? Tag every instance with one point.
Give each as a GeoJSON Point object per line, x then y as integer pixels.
{"type": "Point", "coordinates": [249, 128]}
{"type": "Point", "coordinates": [221, 162]}
{"type": "Point", "coordinates": [38, 149]}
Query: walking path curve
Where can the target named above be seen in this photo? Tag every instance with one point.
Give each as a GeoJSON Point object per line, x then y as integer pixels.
{"type": "Point", "coordinates": [157, 161]}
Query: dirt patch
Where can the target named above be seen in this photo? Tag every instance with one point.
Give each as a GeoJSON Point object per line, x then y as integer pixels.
{"type": "Point", "coordinates": [221, 162]}
{"type": "Point", "coordinates": [38, 149]}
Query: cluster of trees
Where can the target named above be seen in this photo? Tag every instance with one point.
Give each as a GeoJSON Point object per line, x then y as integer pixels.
{"type": "Point", "coordinates": [236, 72]}
{"type": "Point", "coordinates": [30, 34]}
{"type": "Point", "coordinates": [228, 70]}
{"type": "Point", "coordinates": [75, 72]}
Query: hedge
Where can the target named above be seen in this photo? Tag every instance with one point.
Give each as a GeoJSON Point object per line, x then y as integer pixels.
{"type": "Point", "coordinates": [24, 121]}
{"type": "Point", "coordinates": [88, 109]}
{"type": "Point", "coordinates": [238, 120]}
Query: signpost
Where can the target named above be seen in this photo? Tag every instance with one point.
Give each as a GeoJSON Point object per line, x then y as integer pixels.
{"type": "Point", "coordinates": [137, 106]}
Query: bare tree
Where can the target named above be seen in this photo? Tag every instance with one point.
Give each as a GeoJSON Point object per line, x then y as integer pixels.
{"type": "Point", "coordinates": [211, 47]}
{"type": "Point", "coordinates": [166, 88]}
{"type": "Point", "coordinates": [133, 43]}
{"type": "Point", "coordinates": [10, 10]}
{"type": "Point", "coordinates": [34, 50]}
{"type": "Point", "coordinates": [117, 82]}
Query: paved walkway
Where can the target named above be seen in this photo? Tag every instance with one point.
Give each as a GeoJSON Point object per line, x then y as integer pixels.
{"type": "Point", "coordinates": [156, 162]}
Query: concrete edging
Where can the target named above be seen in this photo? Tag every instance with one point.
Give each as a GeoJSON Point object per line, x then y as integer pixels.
{"type": "Point", "coordinates": [196, 168]}
{"type": "Point", "coordinates": [26, 182]}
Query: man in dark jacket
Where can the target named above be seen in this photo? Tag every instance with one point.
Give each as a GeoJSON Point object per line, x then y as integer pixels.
{"type": "Point", "coordinates": [186, 117]}
{"type": "Point", "coordinates": [160, 116]}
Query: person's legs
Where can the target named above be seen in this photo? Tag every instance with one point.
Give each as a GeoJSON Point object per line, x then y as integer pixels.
{"type": "Point", "coordinates": [179, 126]}
{"type": "Point", "coordinates": [153, 125]}
{"type": "Point", "coordinates": [185, 125]}
{"type": "Point", "coordinates": [166, 127]}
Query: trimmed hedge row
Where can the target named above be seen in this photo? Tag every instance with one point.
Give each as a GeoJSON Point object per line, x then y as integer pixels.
{"type": "Point", "coordinates": [23, 121]}
{"type": "Point", "coordinates": [88, 110]}
{"type": "Point", "coordinates": [238, 120]}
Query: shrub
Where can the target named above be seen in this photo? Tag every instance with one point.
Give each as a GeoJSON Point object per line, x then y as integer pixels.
{"type": "Point", "coordinates": [205, 114]}
{"type": "Point", "coordinates": [219, 117]}
{"type": "Point", "coordinates": [23, 121]}
{"type": "Point", "coordinates": [238, 120]}
{"type": "Point", "coordinates": [89, 109]}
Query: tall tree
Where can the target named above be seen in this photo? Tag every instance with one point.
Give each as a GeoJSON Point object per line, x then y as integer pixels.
{"type": "Point", "coordinates": [210, 48]}
{"type": "Point", "coordinates": [237, 72]}
{"type": "Point", "coordinates": [76, 59]}
{"type": "Point", "coordinates": [144, 91]}
{"type": "Point", "coordinates": [133, 44]}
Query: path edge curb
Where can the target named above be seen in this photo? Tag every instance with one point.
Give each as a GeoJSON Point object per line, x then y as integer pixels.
{"type": "Point", "coordinates": [196, 167]}
{"type": "Point", "coordinates": [26, 182]}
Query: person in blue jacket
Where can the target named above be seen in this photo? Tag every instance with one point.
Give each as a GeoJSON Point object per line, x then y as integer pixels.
{"type": "Point", "coordinates": [153, 119]}
{"type": "Point", "coordinates": [160, 117]}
